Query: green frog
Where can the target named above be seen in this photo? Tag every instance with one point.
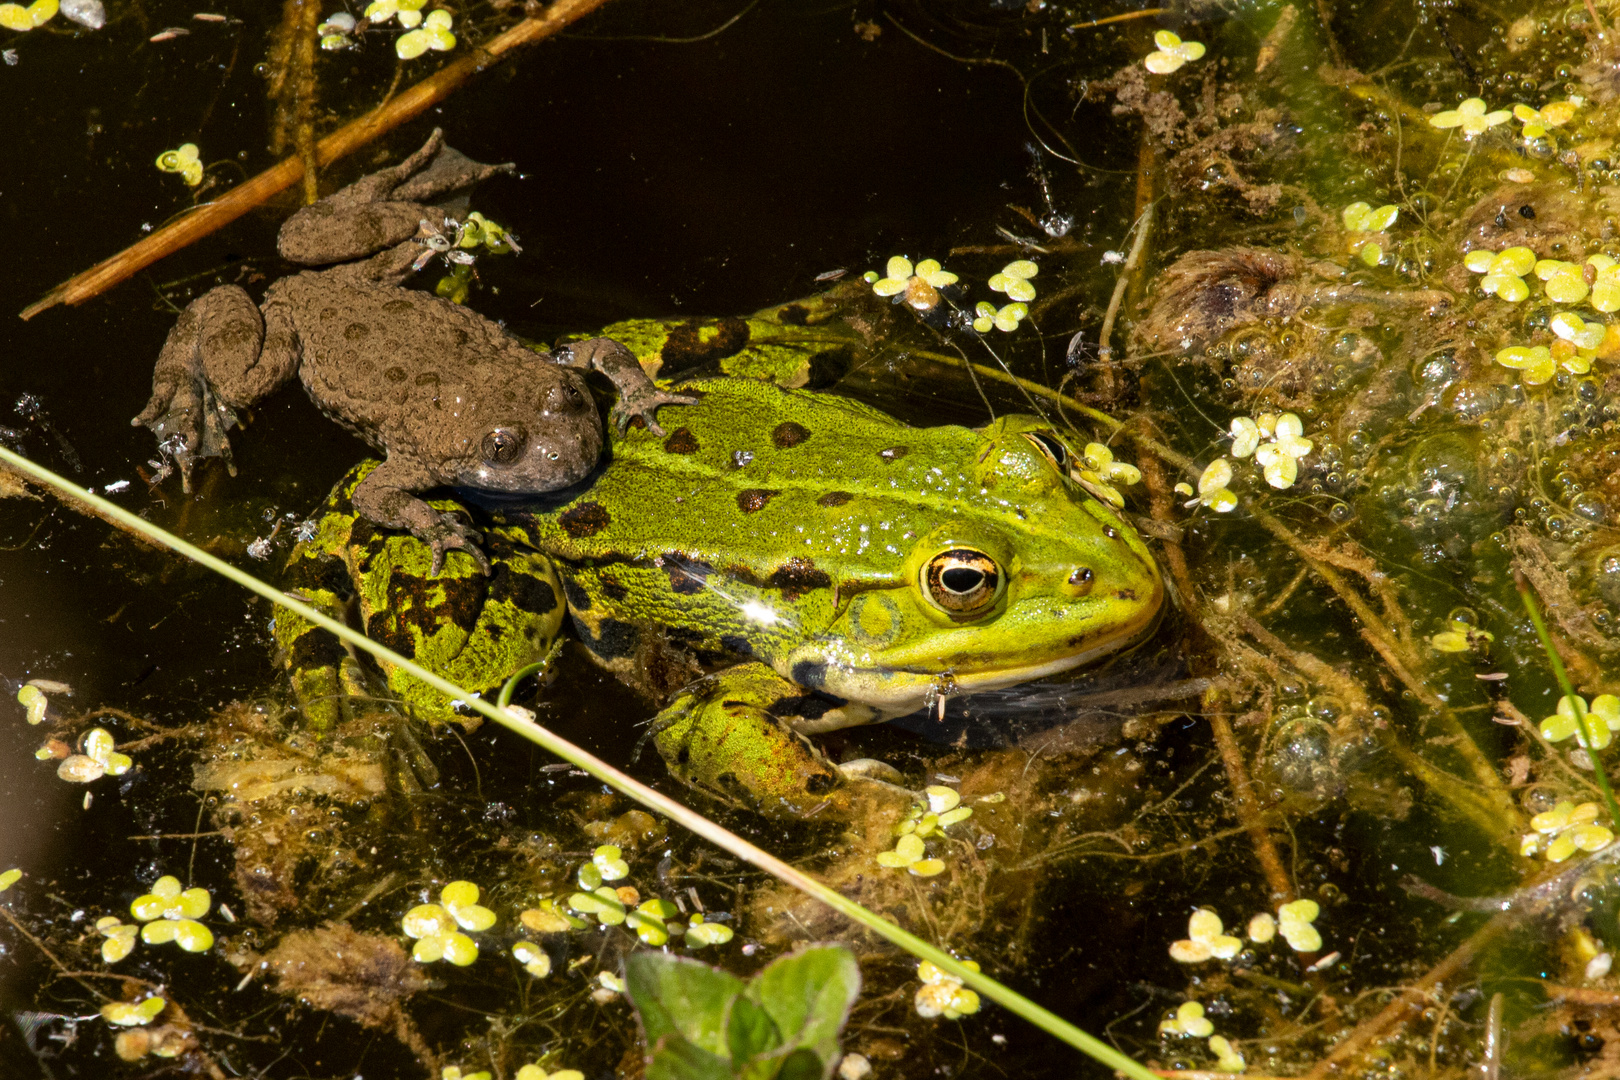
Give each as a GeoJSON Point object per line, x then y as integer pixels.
{"type": "Point", "coordinates": [781, 563]}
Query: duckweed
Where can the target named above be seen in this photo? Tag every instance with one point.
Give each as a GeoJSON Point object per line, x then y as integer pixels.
{"type": "Point", "coordinates": [1171, 53]}
{"type": "Point", "coordinates": [610, 982]}
{"type": "Point", "coordinates": [1361, 217]}
{"type": "Point", "coordinates": [435, 926]}
{"type": "Point", "coordinates": [171, 914]}
{"type": "Point", "coordinates": [1534, 362]}
{"type": "Point", "coordinates": [433, 34]}
{"type": "Point", "coordinates": [1564, 830]}
{"type": "Point", "coordinates": [1262, 928]}
{"type": "Point", "coordinates": [535, 1072]}
{"type": "Point", "coordinates": [1014, 280]}
{"type": "Point", "coordinates": [1471, 116]}
{"type": "Point", "coordinates": [987, 317]}
{"type": "Point", "coordinates": [535, 960]}
{"type": "Point", "coordinates": [1565, 721]}
{"type": "Point", "coordinates": [133, 1013]}
{"type": "Point", "coordinates": [1537, 121]}
{"type": "Point", "coordinates": [1100, 472]}
{"type": "Point", "coordinates": [700, 933]}
{"type": "Point", "coordinates": [1294, 923]}
{"type": "Point", "coordinates": [918, 286]}
{"type": "Point", "coordinates": [1279, 458]}
{"type": "Point", "coordinates": [187, 161]}
{"type": "Point", "coordinates": [1188, 1019]}
{"type": "Point", "coordinates": [10, 878]}
{"type": "Point", "coordinates": [1213, 489]}
{"type": "Point", "coordinates": [17, 17]}
{"type": "Point", "coordinates": [408, 12]}
{"type": "Point", "coordinates": [943, 994]}
{"type": "Point", "coordinates": [1576, 330]}
{"type": "Point", "coordinates": [97, 760]}
{"type": "Point", "coordinates": [1206, 939]}
{"type": "Point", "coordinates": [1226, 1058]}
{"type": "Point", "coordinates": [609, 864]}
{"type": "Point", "coordinates": [120, 938]}
{"type": "Point", "coordinates": [548, 919]}
{"type": "Point", "coordinates": [453, 1072]}
{"type": "Point", "coordinates": [33, 699]}
{"type": "Point", "coordinates": [1504, 271]}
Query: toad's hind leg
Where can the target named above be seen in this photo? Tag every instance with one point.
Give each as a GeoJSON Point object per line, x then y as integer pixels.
{"type": "Point", "coordinates": [213, 360]}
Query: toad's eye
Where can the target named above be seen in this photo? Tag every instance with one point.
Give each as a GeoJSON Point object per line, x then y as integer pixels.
{"type": "Point", "coordinates": [962, 582]}
{"type": "Point", "coordinates": [504, 445]}
{"type": "Point", "coordinates": [1055, 451]}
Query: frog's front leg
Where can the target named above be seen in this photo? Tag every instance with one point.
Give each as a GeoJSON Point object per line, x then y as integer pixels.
{"type": "Point", "coordinates": [217, 358]}
{"type": "Point", "coordinates": [386, 497]}
{"type": "Point", "coordinates": [733, 736]}
{"type": "Point", "coordinates": [638, 396]}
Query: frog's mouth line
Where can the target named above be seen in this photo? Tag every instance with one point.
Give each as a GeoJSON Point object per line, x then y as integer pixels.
{"type": "Point", "coordinates": [898, 692]}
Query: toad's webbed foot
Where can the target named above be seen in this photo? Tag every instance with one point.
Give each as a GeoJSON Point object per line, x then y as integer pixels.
{"type": "Point", "coordinates": [186, 414]}
{"type": "Point", "coordinates": [638, 396]}
{"type": "Point", "coordinates": [451, 532]}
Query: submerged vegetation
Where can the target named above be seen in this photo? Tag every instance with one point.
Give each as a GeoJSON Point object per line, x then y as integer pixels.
{"type": "Point", "coordinates": [1342, 345]}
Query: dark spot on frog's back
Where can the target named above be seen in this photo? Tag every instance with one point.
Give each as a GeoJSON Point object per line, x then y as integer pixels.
{"type": "Point", "coordinates": [698, 341]}
{"type": "Point", "coordinates": [578, 598]}
{"type": "Point", "coordinates": [681, 441]}
{"type": "Point", "coordinates": [798, 576]}
{"type": "Point", "coordinates": [356, 332]}
{"type": "Point", "coordinates": [794, 315]}
{"type": "Point", "coordinates": [586, 519]}
{"type": "Point", "coordinates": [810, 674]}
{"type": "Point", "coordinates": [397, 307]}
{"type": "Point", "coordinates": [753, 500]}
{"type": "Point", "coordinates": [395, 374]}
{"type": "Point", "coordinates": [686, 576]}
{"type": "Point", "coordinates": [788, 434]}
{"type": "Point", "coordinates": [1126, 594]}
{"type": "Point", "coordinates": [616, 641]}
{"type": "Point", "coordinates": [834, 498]}
{"type": "Point", "coordinates": [523, 591]}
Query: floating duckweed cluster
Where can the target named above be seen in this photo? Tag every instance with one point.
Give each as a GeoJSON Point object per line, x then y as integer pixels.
{"type": "Point", "coordinates": [1279, 455]}
{"type": "Point", "coordinates": [1099, 472]}
{"type": "Point", "coordinates": [1207, 938]}
{"type": "Point", "coordinates": [1360, 218]}
{"type": "Point", "coordinates": [133, 1013]}
{"type": "Point", "coordinates": [1214, 489]}
{"type": "Point", "coordinates": [1014, 280]}
{"type": "Point", "coordinates": [17, 17]}
{"type": "Point", "coordinates": [536, 1072]}
{"type": "Point", "coordinates": [919, 287]}
{"type": "Point", "coordinates": [1171, 53]}
{"type": "Point", "coordinates": [96, 759]}
{"type": "Point", "coordinates": [1564, 830]}
{"type": "Point", "coordinates": [1537, 121]}
{"type": "Point", "coordinates": [942, 994]}
{"type": "Point", "coordinates": [1471, 116]}
{"type": "Point", "coordinates": [1227, 1059]}
{"type": "Point", "coordinates": [453, 1072]}
{"type": "Point", "coordinates": [408, 12]}
{"type": "Point", "coordinates": [1504, 271]}
{"type": "Point", "coordinates": [434, 34]}
{"type": "Point", "coordinates": [1462, 634]}
{"type": "Point", "coordinates": [171, 914]}
{"type": "Point", "coordinates": [1604, 712]}
{"type": "Point", "coordinates": [335, 31]}
{"type": "Point", "coordinates": [1188, 1019]}
{"type": "Point", "coordinates": [120, 938]}
{"type": "Point", "coordinates": [652, 920]}
{"type": "Point", "coordinates": [10, 878]}
{"type": "Point", "coordinates": [187, 161]}
{"type": "Point", "coordinates": [33, 699]}
{"type": "Point", "coordinates": [942, 810]}
{"type": "Point", "coordinates": [437, 927]}
{"type": "Point", "coordinates": [535, 960]}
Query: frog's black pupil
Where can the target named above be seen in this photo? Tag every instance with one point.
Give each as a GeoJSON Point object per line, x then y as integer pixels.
{"type": "Point", "coordinates": [501, 447]}
{"type": "Point", "coordinates": [962, 579]}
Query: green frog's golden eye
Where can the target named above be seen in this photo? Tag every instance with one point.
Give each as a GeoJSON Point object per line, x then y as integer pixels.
{"type": "Point", "coordinates": [1052, 447]}
{"type": "Point", "coordinates": [504, 445]}
{"type": "Point", "coordinates": [962, 581]}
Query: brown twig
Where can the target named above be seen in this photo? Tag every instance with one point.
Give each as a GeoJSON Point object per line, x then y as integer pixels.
{"type": "Point", "coordinates": [346, 140]}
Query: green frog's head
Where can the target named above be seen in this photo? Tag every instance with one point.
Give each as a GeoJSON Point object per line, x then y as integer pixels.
{"type": "Point", "coordinates": [1021, 575]}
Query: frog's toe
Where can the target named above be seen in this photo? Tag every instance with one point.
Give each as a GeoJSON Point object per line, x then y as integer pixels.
{"type": "Point", "coordinates": [190, 424]}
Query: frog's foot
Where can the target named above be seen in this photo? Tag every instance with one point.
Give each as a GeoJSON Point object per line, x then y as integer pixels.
{"type": "Point", "coordinates": [730, 735]}
{"type": "Point", "coordinates": [385, 497]}
{"type": "Point", "coordinates": [221, 329]}
{"type": "Point", "coordinates": [638, 396]}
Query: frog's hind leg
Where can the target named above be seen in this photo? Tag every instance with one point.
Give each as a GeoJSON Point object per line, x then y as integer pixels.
{"type": "Point", "coordinates": [199, 375]}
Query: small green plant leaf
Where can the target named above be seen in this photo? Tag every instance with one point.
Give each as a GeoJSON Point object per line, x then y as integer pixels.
{"type": "Point", "coordinates": [750, 1031]}
{"type": "Point", "coordinates": [675, 1057]}
{"type": "Point", "coordinates": [675, 996]}
{"type": "Point", "coordinates": [808, 993]}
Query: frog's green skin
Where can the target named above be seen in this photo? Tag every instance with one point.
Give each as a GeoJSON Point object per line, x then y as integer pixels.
{"type": "Point", "coordinates": [808, 541]}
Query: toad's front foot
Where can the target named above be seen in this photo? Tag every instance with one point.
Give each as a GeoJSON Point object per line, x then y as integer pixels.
{"type": "Point", "coordinates": [450, 532]}
{"type": "Point", "coordinates": [644, 402]}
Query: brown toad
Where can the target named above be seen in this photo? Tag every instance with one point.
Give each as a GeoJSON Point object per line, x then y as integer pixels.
{"type": "Point", "coordinates": [448, 395]}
